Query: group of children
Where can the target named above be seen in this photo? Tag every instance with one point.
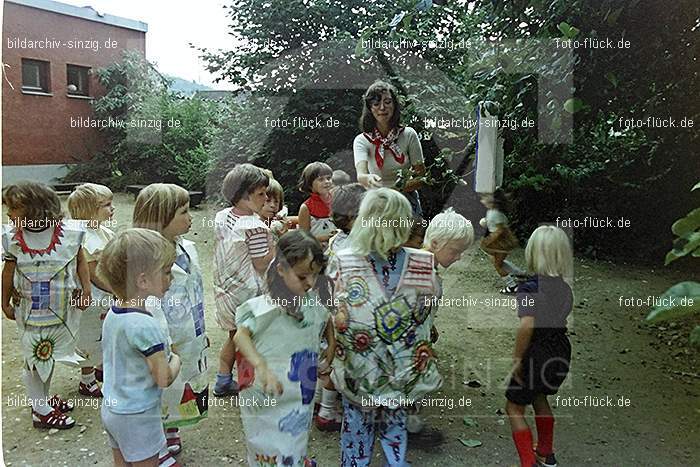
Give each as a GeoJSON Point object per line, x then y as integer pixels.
{"type": "Point", "coordinates": [337, 309]}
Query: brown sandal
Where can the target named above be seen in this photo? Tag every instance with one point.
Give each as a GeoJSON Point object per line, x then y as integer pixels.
{"type": "Point", "coordinates": [59, 404]}
{"type": "Point", "coordinates": [53, 419]}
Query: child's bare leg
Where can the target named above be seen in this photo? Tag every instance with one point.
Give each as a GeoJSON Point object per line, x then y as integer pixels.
{"type": "Point", "coordinates": [228, 354]}
{"type": "Point", "coordinates": [522, 437]}
{"type": "Point", "coordinates": [541, 406]}
{"type": "Point", "coordinates": [118, 458]}
{"type": "Point", "coordinates": [545, 425]}
{"type": "Point", "coordinates": [498, 260]}
{"type": "Point", "coordinates": [516, 414]}
{"type": "Point", "coordinates": [225, 385]}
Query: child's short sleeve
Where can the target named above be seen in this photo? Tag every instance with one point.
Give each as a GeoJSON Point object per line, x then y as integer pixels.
{"type": "Point", "coordinates": [256, 314]}
{"type": "Point", "coordinates": [7, 233]}
{"type": "Point", "coordinates": [256, 240]}
{"type": "Point", "coordinates": [146, 336]}
{"type": "Point", "coordinates": [526, 298]}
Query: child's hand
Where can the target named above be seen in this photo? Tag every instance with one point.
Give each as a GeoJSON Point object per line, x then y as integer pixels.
{"type": "Point", "coordinates": [270, 384]}
{"type": "Point", "coordinates": [9, 311]}
{"type": "Point", "coordinates": [83, 299]}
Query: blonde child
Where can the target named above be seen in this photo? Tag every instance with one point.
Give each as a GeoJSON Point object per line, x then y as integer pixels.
{"type": "Point", "coordinates": [241, 256]}
{"type": "Point", "coordinates": [384, 356]}
{"type": "Point", "coordinates": [274, 212]}
{"type": "Point", "coordinates": [93, 203]}
{"type": "Point", "coordinates": [136, 264]}
{"type": "Point", "coordinates": [315, 212]}
{"type": "Point", "coordinates": [164, 207]}
{"type": "Point", "coordinates": [499, 240]}
{"type": "Point", "coordinates": [447, 236]}
{"type": "Point", "coordinates": [344, 206]}
{"type": "Point", "coordinates": [542, 351]}
{"type": "Point", "coordinates": [45, 280]}
{"type": "Point", "coordinates": [279, 337]}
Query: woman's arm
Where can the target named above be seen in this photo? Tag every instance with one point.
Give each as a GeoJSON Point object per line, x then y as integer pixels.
{"type": "Point", "coordinates": [304, 218]}
{"type": "Point", "coordinates": [244, 344]}
{"type": "Point", "coordinates": [8, 275]}
{"type": "Point", "coordinates": [365, 178]}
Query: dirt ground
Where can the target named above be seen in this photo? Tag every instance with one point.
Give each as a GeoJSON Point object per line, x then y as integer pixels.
{"type": "Point", "coordinates": [649, 370]}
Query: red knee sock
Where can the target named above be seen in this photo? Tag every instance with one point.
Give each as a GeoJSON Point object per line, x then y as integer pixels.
{"type": "Point", "coordinates": [523, 443]}
{"type": "Point", "coordinates": [545, 434]}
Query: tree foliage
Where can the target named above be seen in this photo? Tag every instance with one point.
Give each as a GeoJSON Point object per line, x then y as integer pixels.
{"type": "Point", "coordinates": [153, 135]}
{"type": "Point", "coordinates": [306, 57]}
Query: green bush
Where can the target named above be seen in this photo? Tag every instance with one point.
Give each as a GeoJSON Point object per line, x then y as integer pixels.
{"type": "Point", "coordinates": [162, 137]}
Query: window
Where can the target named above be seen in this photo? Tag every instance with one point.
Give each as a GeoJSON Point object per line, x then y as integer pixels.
{"type": "Point", "coordinates": [35, 75]}
{"type": "Point", "coordinates": [78, 80]}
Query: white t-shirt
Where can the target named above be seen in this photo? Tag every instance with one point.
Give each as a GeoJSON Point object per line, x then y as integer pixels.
{"type": "Point", "coordinates": [409, 143]}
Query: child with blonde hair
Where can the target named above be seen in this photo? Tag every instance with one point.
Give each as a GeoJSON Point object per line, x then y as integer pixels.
{"type": "Point", "coordinates": [45, 281]}
{"type": "Point", "coordinates": [164, 207]}
{"type": "Point", "coordinates": [138, 362]}
{"type": "Point", "coordinates": [447, 236]}
{"type": "Point", "coordinates": [542, 351]}
{"type": "Point", "coordinates": [279, 338]}
{"type": "Point", "coordinates": [384, 357]}
{"type": "Point", "coordinates": [242, 254]}
{"type": "Point", "coordinates": [315, 212]}
{"type": "Point", "coordinates": [93, 203]}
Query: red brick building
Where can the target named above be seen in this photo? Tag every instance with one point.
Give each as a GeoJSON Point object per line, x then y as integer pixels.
{"type": "Point", "coordinates": [50, 51]}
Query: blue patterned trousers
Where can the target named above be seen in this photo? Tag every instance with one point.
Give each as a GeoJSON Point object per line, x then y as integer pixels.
{"type": "Point", "coordinates": [358, 431]}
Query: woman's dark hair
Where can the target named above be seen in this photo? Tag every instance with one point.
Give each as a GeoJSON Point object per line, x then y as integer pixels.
{"type": "Point", "coordinates": [310, 173]}
{"type": "Point", "coordinates": [295, 246]}
{"type": "Point", "coordinates": [374, 94]}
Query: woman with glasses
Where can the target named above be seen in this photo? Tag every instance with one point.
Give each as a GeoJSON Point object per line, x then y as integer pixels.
{"type": "Point", "coordinates": [384, 147]}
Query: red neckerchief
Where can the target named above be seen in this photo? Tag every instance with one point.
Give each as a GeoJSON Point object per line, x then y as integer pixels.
{"type": "Point", "coordinates": [317, 206]}
{"type": "Point", "coordinates": [390, 142]}
{"type": "Point", "coordinates": [55, 241]}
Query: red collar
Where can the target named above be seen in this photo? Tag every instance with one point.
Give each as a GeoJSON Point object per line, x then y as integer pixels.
{"type": "Point", "coordinates": [55, 241]}
{"type": "Point", "coordinates": [317, 206]}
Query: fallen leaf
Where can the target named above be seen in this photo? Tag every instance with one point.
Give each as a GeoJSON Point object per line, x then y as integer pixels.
{"type": "Point", "coordinates": [470, 443]}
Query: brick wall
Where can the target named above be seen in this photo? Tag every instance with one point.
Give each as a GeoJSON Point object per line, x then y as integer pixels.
{"type": "Point", "coordinates": [36, 129]}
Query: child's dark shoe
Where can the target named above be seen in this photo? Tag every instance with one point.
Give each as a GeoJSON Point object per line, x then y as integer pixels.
{"type": "Point", "coordinates": [99, 375]}
{"type": "Point", "coordinates": [509, 290]}
{"type": "Point", "coordinates": [546, 461]}
{"type": "Point", "coordinates": [90, 390]}
{"type": "Point", "coordinates": [53, 419]}
{"type": "Point", "coordinates": [226, 389]}
{"type": "Point", "coordinates": [59, 404]}
{"type": "Point", "coordinates": [327, 424]}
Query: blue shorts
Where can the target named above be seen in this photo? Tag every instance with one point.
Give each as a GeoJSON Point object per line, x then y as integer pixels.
{"type": "Point", "coordinates": [138, 436]}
